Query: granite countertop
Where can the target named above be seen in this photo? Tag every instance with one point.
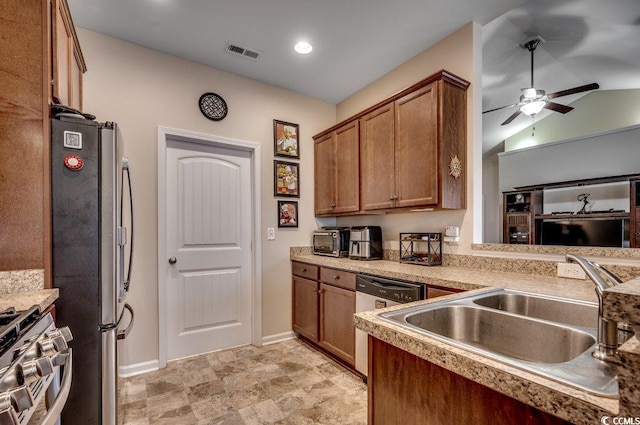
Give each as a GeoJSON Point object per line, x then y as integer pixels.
{"type": "Point", "coordinates": [460, 277]}
{"type": "Point", "coordinates": [24, 300]}
{"type": "Point", "coordinates": [572, 404]}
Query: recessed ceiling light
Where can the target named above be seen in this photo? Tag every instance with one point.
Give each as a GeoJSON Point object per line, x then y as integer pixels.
{"type": "Point", "coordinates": [303, 47]}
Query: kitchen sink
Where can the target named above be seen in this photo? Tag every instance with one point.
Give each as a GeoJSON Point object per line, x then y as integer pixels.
{"type": "Point", "coordinates": [549, 336]}
{"type": "Point", "coordinates": [507, 335]}
{"type": "Point", "coordinates": [561, 310]}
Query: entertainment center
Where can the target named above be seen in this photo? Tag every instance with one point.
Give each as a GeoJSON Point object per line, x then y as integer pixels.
{"type": "Point", "coordinates": [551, 214]}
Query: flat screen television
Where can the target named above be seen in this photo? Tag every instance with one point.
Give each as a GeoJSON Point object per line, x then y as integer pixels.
{"type": "Point", "coordinates": [605, 232]}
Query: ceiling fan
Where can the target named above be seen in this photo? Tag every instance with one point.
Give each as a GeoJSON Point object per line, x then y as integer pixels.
{"type": "Point", "coordinates": [533, 100]}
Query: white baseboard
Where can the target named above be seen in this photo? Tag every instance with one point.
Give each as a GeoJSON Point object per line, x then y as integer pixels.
{"type": "Point", "coordinates": [138, 369]}
{"type": "Point", "coordinates": [272, 339]}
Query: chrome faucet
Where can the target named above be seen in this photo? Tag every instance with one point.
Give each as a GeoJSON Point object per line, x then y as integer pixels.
{"type": "Point", "coordinates": [610, 333]}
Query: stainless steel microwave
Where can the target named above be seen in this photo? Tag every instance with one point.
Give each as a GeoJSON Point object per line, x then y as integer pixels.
{"type": "Point", "coordinates": [331, 241]}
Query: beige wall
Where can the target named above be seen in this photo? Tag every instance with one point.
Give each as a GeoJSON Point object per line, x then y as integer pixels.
{"type": "Point", "coordinates": [142, 89]}
{"type": "Point", "coordinates": [455, 53]}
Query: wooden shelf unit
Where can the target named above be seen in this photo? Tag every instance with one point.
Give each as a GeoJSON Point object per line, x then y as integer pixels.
{"type": "Point", "coordinates": [523, 217]}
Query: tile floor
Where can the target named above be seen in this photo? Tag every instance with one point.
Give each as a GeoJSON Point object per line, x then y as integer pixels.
{"type": "Point", "coordinates": [283, 383]}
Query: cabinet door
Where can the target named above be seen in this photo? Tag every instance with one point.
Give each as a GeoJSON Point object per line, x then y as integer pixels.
{"type": "Point", "coordinates": [305, 307]}
{"type": "Point", "coordinates": [416, 148]}
{"type": "Point", "coordinates": [347, 168]}
{"type": "Point", "coordinates": [337, 333]}
{"type": "Point", "coordinates": [67, 63]}
{"type": "Point", "coordinates": [376, 159]}
{"type": "Point", "coordinates": [324, 175]}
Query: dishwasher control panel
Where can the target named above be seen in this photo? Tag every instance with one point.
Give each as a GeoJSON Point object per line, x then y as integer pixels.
{"type": "Point", "coordinates": [390, 289]}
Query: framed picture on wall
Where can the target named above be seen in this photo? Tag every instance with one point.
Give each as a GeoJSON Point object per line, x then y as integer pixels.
{"type": "Point", "coordinates": [285, 139]}
{"type": "Point", "coordinates": [287, 214]}
{"type": "Point", "coordinates": [286, 178]}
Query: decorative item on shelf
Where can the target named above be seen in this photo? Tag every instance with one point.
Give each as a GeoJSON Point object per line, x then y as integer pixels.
{"type": "Point", "coordinates": [584, 198]}
{"type": "Point", "coordinates": [285, 139]}
{"type": "Point", "coordinates": [421, 248]}
{"type": "Point", "coordinates": [213, 106]}
{"type": "Point", "coordinates": [287, 214]}
{"type": "Point", "coordinates": [286, 177]}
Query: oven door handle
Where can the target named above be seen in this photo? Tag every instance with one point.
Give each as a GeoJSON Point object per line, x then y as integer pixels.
{"type": "Point", "coordinates": [53, 413]}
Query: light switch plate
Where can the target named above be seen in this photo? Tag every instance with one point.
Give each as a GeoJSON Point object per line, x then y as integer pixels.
{"type": "Point", "coordinates": [271, 233]}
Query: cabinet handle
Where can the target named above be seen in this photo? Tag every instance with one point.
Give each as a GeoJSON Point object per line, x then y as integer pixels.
{"type": "Point", "coordinates": [336, 277]}
{"type": "Point", "coordinates": [319, 291]}
{"type": "Point", "coordinates": [304, 270]}
{"type": "Point", "coordinates": [333, 205]}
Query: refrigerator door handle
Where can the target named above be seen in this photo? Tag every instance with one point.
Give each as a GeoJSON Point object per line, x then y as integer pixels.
{"type": "Point", "coordinates": [122, 334]}
{"type": "Point", "coordinates": [125, 169]}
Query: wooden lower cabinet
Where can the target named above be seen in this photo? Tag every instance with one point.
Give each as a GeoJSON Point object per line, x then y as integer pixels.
{"type": "Point", "coordinates": [337, 333]}
{"type": "Point", "coordinates": [324, 302]}
{"type": "Point", "coordinates": [305, 307]}
{"type": "Point", "coordinates": [405, 389]}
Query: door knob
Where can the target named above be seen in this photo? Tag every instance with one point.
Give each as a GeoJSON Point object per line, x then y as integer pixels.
{"type": "Point", "coordinates": [173, 260]}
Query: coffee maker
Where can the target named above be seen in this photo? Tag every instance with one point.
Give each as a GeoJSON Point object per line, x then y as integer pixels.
{"type": "Point", "coordinates": [365, 243]}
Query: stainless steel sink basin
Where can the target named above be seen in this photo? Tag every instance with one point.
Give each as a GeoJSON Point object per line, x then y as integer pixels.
{"type": "Point", "coordinates": [508, 335]}
{"type": "Point", "coordinates": [550, 336]}
{"type": "Point", "coordinates": [570, 312]}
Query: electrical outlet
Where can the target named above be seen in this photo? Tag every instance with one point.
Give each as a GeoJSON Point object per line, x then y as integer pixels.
{"type": "Point", "coordinates": [570, 270]}
{"type": "Point", "coordinates": [271, 233]}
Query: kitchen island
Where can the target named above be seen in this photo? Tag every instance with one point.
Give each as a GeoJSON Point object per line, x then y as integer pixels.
{"type": "Point", "coordinates": [548, 396]}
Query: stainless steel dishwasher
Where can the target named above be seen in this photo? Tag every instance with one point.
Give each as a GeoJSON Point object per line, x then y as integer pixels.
{"type": "Point", "coordinates": [373, 292]}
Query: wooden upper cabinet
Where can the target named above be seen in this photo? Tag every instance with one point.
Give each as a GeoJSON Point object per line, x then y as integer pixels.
{"type": "Point", "coordinates": [377, 158]}
{"type": "Point", "coordinates": [67, 62]}
{"type": "Point", "coordinates": [412, 149]}
{"type": "Point", "coordinates": [324, 174]}
{"type": "Point", "coordinates": [336, 160]}
{"type": "Point", "coordinates": [416, 148]}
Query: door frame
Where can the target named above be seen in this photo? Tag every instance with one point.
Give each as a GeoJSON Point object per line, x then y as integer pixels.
{"type": "Point", "coordinates": [164, 134]}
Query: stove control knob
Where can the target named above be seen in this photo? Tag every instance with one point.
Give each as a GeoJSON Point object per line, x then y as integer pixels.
{"type": "Point", "coordinates": [46, 347]}
{"type": "Point", "coordinates": [63, 332]}
{"type": "Point", "coordinates": [22, 398]}
{"type": "Point", "coordinates": [17, 399]}
{"type": "Point", "coordinates": [36, 369]}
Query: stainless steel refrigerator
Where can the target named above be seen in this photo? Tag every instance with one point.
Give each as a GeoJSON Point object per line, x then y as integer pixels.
{"type": "Point", "coordinates": [91, 264]}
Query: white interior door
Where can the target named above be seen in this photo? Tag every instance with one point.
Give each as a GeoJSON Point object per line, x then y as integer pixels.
{"type": "Point", "coordinates": [209, 259]}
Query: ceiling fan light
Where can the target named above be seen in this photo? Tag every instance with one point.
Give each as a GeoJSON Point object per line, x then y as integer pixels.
{"type": "Point", "coordinates": [532, 108]}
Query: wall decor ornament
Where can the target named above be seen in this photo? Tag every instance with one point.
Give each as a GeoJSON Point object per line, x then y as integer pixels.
{"type": "Point", "coordinates": [286, 138]}
{"type": "Point", "coordinates": [286, 178]}
{"type": "Point", "coordinates": [213, 106]}
{"type": "Point", "coordinates": [287, 214]}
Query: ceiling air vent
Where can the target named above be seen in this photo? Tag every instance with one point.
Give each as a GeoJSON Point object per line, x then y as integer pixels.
{"type": "Point", "coordinates": [238, 50]}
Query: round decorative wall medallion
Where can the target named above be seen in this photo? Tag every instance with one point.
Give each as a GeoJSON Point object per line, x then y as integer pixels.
{"type": "Point", "coordinates": [455, 167]}
{"type": "Point", "coordinates": [213, 106]}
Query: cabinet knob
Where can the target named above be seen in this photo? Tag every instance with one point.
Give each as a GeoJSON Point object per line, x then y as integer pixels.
{"type": "Point", "coordinates": [173, 260]}
{"type": "Point", "coordinates": [336, 277]}
{"type": "Point", "coordinates": [333, 205]}
{"type": "Point", "coordinates": [304, 270]}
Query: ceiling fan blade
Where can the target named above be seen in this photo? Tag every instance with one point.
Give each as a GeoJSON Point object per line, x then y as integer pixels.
{"type": "Point", "coordinates": [502, 107]}
{"type": "Point", "coordinates": [563, 109]}
{"type": "Point", "coordinates": [574, 90]}
{"type": "Point", "coordinates": [512, 117]}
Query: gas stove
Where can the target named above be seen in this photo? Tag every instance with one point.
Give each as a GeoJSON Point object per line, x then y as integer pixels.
{"type": "Point", "coordinates": [35, 366]}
